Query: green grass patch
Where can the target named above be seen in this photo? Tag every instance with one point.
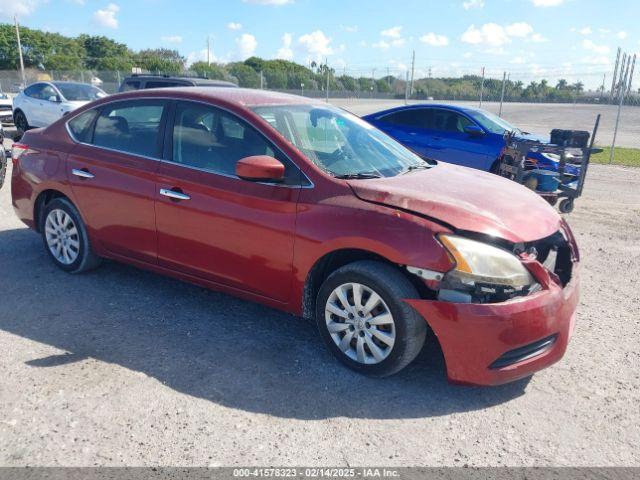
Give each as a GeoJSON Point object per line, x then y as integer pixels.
{"type": "Point", "coordinates": [622, 156]}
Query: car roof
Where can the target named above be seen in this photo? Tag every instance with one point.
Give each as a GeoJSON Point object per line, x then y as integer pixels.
{"type": "Point", "coordinates": [245, 97]}
{"type": "Point", "coordinates": [459, 108]}
{"type": "Point", "coordinates": [193, 80]}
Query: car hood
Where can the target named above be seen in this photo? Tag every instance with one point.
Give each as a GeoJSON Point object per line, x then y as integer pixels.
{"type": "Point", "coordinates": [533, 137]}
{"type": "Point", "coordinates": [466, 199]}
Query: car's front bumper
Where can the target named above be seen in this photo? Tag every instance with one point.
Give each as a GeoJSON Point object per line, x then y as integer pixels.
{"type": "Point", "coordinates": [491, 344]}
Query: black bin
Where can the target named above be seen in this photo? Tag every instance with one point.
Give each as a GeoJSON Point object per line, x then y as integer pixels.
{"type": "Point", "coordinates": [570, 138]}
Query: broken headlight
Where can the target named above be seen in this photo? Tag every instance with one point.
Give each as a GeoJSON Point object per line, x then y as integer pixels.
{"type": "Point", "coordinates": [484, 272]}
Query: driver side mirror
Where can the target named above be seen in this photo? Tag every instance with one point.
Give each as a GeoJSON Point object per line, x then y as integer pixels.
{"type": "Point", "coordinates": [473, 130]}
{"type": "Point", "coordinates": [54, 99]}
{"type": "Point", "coordinates": [260, 168]}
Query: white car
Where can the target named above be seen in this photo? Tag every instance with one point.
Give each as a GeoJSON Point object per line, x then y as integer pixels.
{"type": "Point", "coordinates": [6, 109]}
{"type": "Point", "coordinates": [42, 103]}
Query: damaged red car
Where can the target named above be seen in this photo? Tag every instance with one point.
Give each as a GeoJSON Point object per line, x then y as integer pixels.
{"type": "Point", "coordinates": [300, 206]}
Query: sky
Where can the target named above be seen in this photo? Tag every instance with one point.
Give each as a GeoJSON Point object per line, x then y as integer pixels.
{"type": "Point", "coordinates": [530, 39]}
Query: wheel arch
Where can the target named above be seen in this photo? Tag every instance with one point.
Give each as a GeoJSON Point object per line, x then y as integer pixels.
{"type": "Point", "coordinates": [333, 260]}
{"type": "Point", "coordinates": [42, 200]}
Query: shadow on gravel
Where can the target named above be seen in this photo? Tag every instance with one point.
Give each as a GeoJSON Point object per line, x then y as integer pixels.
{"type": "Point", "coordinates": [209, 345]}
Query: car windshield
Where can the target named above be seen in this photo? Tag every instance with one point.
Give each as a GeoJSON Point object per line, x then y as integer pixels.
{"type": "Point", "coordinates": [340, 143]}
{"type": "Point", "coordinates": [79, 91]}
{"type": "Point", "coordinates": [491, 122]}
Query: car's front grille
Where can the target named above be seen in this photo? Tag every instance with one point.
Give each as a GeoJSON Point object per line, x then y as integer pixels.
{"type": "Point", "coordinates": [523, 353]}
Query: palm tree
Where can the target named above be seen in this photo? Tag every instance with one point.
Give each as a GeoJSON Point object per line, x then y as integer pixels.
{"type": "Point", "coordinates": [562, 84]}
{"type": "Point", "coordinates": [578, 86]}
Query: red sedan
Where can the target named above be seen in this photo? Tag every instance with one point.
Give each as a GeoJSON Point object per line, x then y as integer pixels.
{"type": "Point", "coordinates": [303, 207]}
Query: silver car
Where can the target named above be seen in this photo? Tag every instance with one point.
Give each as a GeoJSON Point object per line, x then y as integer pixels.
{"type": "Point", "coordinates": [42, 103]}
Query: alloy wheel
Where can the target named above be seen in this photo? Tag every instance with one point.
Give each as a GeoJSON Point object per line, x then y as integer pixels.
{"type": "Point", "coordinates": [360, 323]}
{"type": "Point", "coordinates": [62, 236]}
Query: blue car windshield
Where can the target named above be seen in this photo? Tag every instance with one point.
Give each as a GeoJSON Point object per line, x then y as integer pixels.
{"type": "Point", "coordinates": [491, 122]}
{"type": "Point", "coordinates": [339, 143]}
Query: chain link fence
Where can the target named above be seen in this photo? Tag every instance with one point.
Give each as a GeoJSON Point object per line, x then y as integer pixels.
{"type": "Point", "coordinates": [361, 95]}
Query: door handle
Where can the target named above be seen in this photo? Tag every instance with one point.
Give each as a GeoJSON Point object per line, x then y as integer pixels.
{"type": "Point", "coordinates": [84, 173]}
{"type": "Point", "coordinates": [436, 138]}
{"type": "Point", "coordinates": [174, 194]}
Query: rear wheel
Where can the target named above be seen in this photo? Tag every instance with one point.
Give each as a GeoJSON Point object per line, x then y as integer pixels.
{"type": "Point", "coordinates": [20, 120]}
{"type": "Point", "coordinates": [364, 322]}
{"type": "Point", "coordinates": [65, 237]}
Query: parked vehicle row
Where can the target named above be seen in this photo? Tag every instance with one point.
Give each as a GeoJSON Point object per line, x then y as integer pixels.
{"type": "Point", "coordinates": [42, 103]}
{"type": "Point", "coordinates": [6, 109]}
{"type": "Point", "coordinates": [311, 210]}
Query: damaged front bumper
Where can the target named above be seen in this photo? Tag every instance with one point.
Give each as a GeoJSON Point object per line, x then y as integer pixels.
{"type": "Point", "coordinates": [495, 343]}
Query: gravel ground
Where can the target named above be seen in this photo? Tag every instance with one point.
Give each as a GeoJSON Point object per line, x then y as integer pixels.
{"type": "Point", "coordinates": [124, 367]}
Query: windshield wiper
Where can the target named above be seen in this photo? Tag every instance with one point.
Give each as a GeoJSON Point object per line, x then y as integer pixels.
{"type": "Point", "coordinates": [358, 175]}
{"type": "Point", "coordinates": [418, 166]}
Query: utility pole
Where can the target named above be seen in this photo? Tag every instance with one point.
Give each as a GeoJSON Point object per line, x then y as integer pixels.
{"type": "Point", "coordinates": [504, 83]}
{"type": "Point", "coordinates": [326, 65]}
{"type": "Point", "coordinates": [604, 79]}
{"type": "Point", "coordinates": [615, 74]}
{"type": "Point", "coordinates": [208, 51]}
{"type": "Point", "coordinates": [406, 88]}
{"type": "Point", "coordinates": [482, 87]}
{"type": "Point", "coordinates": [373, 81]}
{"type": "Point", "coordinates": [413, 71]}
{"type": "Point", "coordinates": [24, 80]}
{"type": "Point", "coordinates": [261, 80]}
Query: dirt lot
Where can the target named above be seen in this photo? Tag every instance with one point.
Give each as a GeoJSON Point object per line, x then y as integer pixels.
{"type": "Point", "coordinates": [123, 367]}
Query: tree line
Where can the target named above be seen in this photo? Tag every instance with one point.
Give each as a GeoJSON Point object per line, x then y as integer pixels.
{"type": "Point", "coordinates": [50, 51]}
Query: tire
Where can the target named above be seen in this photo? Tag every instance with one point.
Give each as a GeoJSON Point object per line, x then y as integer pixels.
{"type": "Point", "coordinates": [566, 205]}
{"type": "Point", "coordinates": [20, 121]}
{"type": "Point", "coordinates": [407, 327]}
{"type": "Point", "coordinates": [79, 256]}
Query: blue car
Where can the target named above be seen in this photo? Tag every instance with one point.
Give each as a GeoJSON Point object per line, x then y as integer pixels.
{"type": "Point", "coordinates": [455, 134]}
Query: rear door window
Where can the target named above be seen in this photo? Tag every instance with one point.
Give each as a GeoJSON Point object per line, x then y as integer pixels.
{"type": "Point", "coordinates": [415, 117]}
{"type": "Point", "coordinates": [34, 91]}
{"type": "Point", "coordinates": [130, 127]}
{"type": "Point", "coordinates": [80, 126]}
{"type": "Point", "coordinates": [131, 85]}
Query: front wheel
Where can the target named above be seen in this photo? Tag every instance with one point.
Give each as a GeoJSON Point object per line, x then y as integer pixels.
{"type": "Point", "coordinates": [65, 237]}
{"type": "Point", "coordinates": [364, 322]}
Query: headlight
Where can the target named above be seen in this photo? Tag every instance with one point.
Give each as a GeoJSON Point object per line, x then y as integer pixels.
{"type": "Point", "coordinates": [480, 264]}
